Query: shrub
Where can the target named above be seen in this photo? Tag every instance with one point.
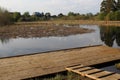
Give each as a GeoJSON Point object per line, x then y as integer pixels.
{"type": "Point", "coordinates": [102, 16]}
{"type": "Point", "coordinates": [110, 16]}
{"type": "Point", "coordinates": [117, 15]}
{"type": "Point", "coordinates": [5, 17]}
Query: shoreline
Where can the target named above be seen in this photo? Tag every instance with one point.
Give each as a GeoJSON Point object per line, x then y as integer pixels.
{"type": "Point", "coordinates": [71, 22]}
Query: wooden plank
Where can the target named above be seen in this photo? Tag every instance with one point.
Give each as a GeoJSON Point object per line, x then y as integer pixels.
{"type": "Point", "coordinates": [96, 74]}
{"type": "Point", "coordinates": [75, 67]}
{"type": "Point", "coordinates": [92, 71]}
{"type": "Point", "coordinates": [112, 77]}
{"type": "Point", "coordinates": [82, 69]}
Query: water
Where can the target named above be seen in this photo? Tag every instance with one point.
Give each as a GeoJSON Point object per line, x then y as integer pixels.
{"type": "Point", "coordinates": [18, 46]}
{"type": "Point", "coordinates": [111, 68]}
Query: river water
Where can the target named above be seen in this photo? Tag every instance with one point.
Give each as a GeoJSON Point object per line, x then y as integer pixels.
{"type": "Point", "coordinates": [109, 36]}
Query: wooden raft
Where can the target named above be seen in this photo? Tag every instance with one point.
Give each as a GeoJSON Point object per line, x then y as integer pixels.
{"type": "Point", "coordinates": [93, 73]}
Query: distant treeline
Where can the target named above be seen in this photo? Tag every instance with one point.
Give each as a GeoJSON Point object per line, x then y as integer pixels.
{"type": "Point", "coordinates": [37, 16]}
{"type": "Point", "coordinates": [11, 17]}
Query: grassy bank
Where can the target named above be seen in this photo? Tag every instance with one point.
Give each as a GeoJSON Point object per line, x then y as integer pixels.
{"type": "Point", "coordinates": [72, 22]}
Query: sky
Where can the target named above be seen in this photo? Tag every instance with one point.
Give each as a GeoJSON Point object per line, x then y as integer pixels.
{"type": "Point", "coordinates": [52, 6]}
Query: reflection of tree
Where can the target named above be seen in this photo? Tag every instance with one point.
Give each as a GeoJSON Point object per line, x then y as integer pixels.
{"type": "Point", "coordinates": [109, 34]}
{"type": "Point", "coordinates": [4, 39]}
{"type": "Point", "coordinates": [118, 36]}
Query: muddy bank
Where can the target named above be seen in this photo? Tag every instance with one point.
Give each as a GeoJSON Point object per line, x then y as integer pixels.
{"type": "Point", "coordinates": [32, 30]}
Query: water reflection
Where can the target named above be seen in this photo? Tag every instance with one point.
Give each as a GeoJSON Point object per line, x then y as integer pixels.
{"type": "Point", "coordinates": [17, 44]}
{"type": "Point", "coordinates": [109, 35]}
{"type": "Point", "coordinates": [4, 39]}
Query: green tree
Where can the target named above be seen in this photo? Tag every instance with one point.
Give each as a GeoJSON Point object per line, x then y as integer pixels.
{"type": "Point", "coordinates": [110, 16]}
{"type": "Point", "coordinates": [71, 14]}
{"type": "Point", "coordinates": [16, 16]}
{"type": "Point", "coordinates": [117, 15]}
{"type": "Point", "coordinates": [102, 16]}
{"type": "Point", "coordinates": [108, 6]}
{"type": "Point", "coordinates": [26, 17]}
{"type": "Point", "coordinates": [26, 14]}
{"type": "Point", "coordinates": [118, 5]}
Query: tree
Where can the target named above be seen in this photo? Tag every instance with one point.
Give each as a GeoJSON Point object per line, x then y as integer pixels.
{"type": "Point", "coordinates": [60, 15]}
{"type": "Point", "coordinates": [71, 14]}
{"type": "Point", "coordinates": [26, 17]}
{"type": "Point", "coordinates": [47, 15]}
{"type": "Point", "coordinates": [5, 17]}
{"type": "Point", "coordinates": [108, 6]}
{"type": "Point", "coordinates": [117, 15]}
{"type": "Point", "coordinates": [118, 5]}
{"type": "Point", "coordinates": [110, 16]}
{"type": "Point", "coordinates": [26, 14]}
{"type": "Point", "coordinates": [102, 16]}
{"type": "Point", "coordinates": [16, 16]}
{"type": "Point", "coordinates": [37, 14]}
{"type": "Point", "coordinates": [89, 15]}
{"type": "Point", "coordinates": [111, 8]}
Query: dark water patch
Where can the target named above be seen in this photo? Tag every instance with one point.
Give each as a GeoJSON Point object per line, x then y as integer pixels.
{"type": "Point", "coordinates": [108, 66]}
{"type": "Point", "coordinates": [110, 35]}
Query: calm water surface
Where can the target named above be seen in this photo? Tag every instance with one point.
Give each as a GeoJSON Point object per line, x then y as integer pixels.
{"type": "Point", "coordinates": [109, 36]}
{"type": "Point", "coordinates": [111, 68]}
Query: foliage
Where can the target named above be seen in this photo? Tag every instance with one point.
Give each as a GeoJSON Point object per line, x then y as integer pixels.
{"type": "Point", "coordinates": [102, 16]}
{"type": "Point", "coordinates": [111, 8]}
{"type": "Point", "coordinates": [60, 15]}
{"type": "Point", "coordinates": [16, 16]}
{"type": "Point", "coordinates": [118, 5]}
{"type": "Point", "coordinates": [110, 16]}
{"type": "Point", "coordinates": [5, 17]}
{"type": "Point", "coordinates": [26, 14]}
{"type": "Point", "coordinates": [47, 16]}
{"type": "Point", "coordinates": [117, 15]}
{"type": "Point", "coordinates": [108, 6]}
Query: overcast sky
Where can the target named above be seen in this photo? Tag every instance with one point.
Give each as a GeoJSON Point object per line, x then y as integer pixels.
{"type": "Point", "coordinates": [52, 6]}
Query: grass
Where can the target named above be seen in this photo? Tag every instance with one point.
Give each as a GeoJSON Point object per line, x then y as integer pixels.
{"type": "Point", "coordinates": [117, 66]}
{"type": "Point", "coordinates": [69, 76]}
{"type": "Point", "coordinates": [73, 22]}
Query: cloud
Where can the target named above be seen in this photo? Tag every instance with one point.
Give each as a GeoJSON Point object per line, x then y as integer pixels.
{"type": "Point", "coordinates": [52, 6]}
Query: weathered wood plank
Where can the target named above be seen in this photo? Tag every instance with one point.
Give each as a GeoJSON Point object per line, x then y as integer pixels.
{"type": "Point", "coordinates": [95, 74]}
{"type": "Point", "coordinates": [112, 77]}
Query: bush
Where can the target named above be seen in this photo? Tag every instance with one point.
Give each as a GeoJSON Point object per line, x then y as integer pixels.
{"type": "Point", "coordinates": [117, 15]}
{"type": "Point", "coordinates": [110, 16]}
{"type": "Point", "coordinates": [102, 16]}
{"type": "Point", "coordinates": [5, 17]}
